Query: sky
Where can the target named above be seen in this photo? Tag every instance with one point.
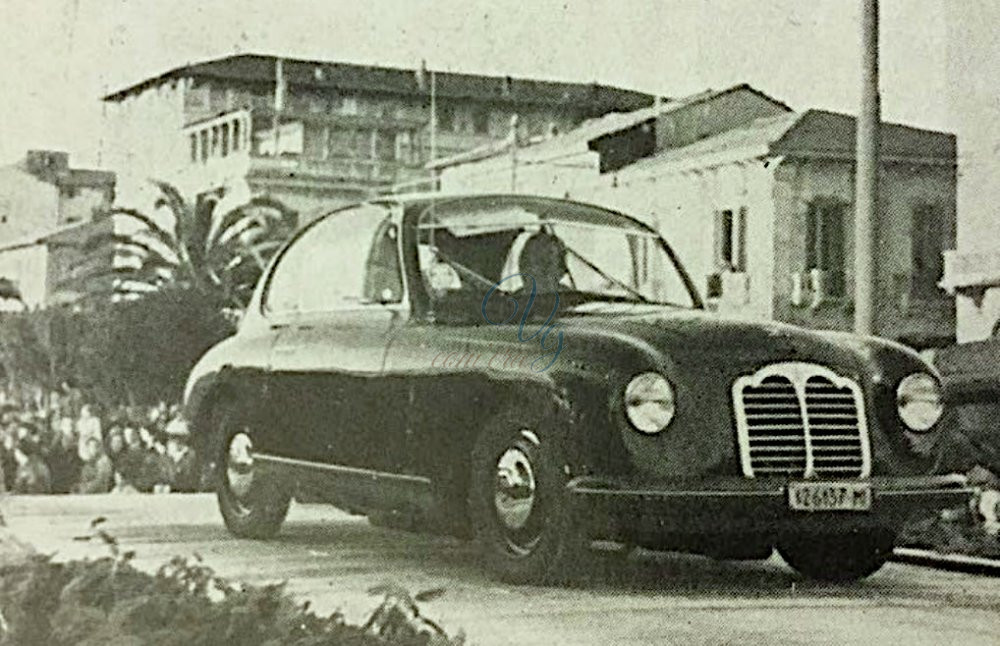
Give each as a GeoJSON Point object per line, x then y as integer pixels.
{"type": "Point", "coordinates": [58, 57]}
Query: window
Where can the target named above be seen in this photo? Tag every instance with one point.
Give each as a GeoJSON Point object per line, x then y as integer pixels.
{"type": "Point", "coordinates": [345, 260]}
{"type": "Point", "coordinates": [236, 135]}
{"type": "Point", "coordinates": [204, 145]}
{"type": "Point", "coordinates": [445, 118]}
{"type": "Point", "coordinates": [404, 147]}
{"type": "Point", "coordinates": [217, 98]}
{"type": "Point", "coordinates": [194, 147]}
{"type": "Point", "coordinates": [825, 243]}
{"type": "Point", "coordinates": [597, 256]}
{"type": "Point", "coordinates": [481, 121]}
{"type": "Point", "coordinates": [342, 143]}
{"type": "Point", "coordinates": [383, 280]}
{"type": "Point", "coordinates": [225, 139]}
{"type": "Point", "coordinates": [730, 240]}
{"type": "Point", "coordinates": [927, 246]}
{"type": "Point", "coordinates": [317, 104]}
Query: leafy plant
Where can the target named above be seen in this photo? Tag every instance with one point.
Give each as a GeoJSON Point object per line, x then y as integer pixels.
{"type": "Point", "coordinates": [185, 603]}
{"type": "Point", "coordinates": [217, 254]}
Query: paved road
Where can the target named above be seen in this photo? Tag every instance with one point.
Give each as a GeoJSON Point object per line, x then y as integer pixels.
{"type": "Point", "coordinates": [331, 559]}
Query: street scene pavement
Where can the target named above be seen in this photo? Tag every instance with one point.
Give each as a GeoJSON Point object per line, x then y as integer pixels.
{"type": "Point", "coordinates": [332, 559]}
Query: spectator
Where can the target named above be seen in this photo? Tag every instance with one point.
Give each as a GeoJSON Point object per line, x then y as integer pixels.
{"type": "Point", "coordinates": [7, 458]}
{"type": "Point", "coordinates": [87, 427]}
{"type": "Point", "coordinates": [32, 476]}
{"type": "Point", "coordinates": [162, 468]}
{"type": "Point", "coordinates": [96, 474]}
{"type": "Point", "coordinates": [136, 463]}
{"type": "Point", "coordinates": [115, 444]}
{"type": "Point", "coordinates": [64, 460]}
{"type": "Point", "coordinates": [184, 472]}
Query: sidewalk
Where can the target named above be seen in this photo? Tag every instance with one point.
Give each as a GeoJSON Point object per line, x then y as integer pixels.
{"type": "Point", "coordinates": [952, 562]}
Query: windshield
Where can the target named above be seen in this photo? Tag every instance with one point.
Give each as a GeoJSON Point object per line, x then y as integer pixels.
{"type": "Point", "coordinates": [583, 253]}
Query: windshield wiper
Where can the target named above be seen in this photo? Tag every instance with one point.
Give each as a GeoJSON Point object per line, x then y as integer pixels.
{"type": "Point", "coordinates": [603, 274]}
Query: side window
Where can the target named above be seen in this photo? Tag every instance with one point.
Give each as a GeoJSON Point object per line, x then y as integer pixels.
{"type": "Point", "coordinates": [346, 260]}
{"type": "Point", "coordinates": [383, 279]}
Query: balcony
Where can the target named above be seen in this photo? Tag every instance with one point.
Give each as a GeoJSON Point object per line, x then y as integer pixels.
{"type": "Point", "coordinates": [299, 169]}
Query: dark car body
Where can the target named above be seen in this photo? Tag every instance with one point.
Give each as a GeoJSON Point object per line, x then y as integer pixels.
{"type": "Point", "coordinates": [379, 407]}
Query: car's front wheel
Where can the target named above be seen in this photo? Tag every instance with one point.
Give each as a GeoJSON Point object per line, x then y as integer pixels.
{"type": "Point", "coordinates": [839, 557]}
{"type": "Point", "coordinates": [253, 504]}
{"type": "Point", "coordinates": [518, 504]}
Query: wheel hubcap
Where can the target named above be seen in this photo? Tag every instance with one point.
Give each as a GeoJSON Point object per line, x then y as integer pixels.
{"type": "Point", "coordinates": [239, 466]}
{"type": "Point", "coordinates": [515, 497]}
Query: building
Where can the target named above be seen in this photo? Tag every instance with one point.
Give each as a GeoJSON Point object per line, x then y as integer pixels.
{"type": "Point", "coordinates": [47, 211]}
{"type": "Point", "coordinates": [319, 134]}
{"type": "Point", "coordinates": [757, 200]}
{"type": "Point", "coordinates": [972, 268]}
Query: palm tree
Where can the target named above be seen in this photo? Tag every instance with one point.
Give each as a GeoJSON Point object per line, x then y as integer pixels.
{"type": "Point", "coordinates": [219, 255]}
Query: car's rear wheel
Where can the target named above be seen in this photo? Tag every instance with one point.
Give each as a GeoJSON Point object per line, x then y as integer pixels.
{"type": "Point", "coordinates": [253, 503]}
{"type": "Point", "coordinates": [519, 506]}
{"type": "Point", "coordinates": [839, 557]}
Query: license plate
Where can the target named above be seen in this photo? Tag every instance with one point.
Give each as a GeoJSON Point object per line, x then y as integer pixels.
{"type": "Point", "coordinates": [829, 496]}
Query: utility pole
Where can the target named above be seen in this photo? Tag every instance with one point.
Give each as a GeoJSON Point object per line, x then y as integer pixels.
{"type": "Point", "coordinates": [434, 118]}
{"type": "Point", "coordinates": [280, 88]}
{"type": "Point", "coordinates": [513, 152]}
{"type": "Point", "coordinates": [866, 182]}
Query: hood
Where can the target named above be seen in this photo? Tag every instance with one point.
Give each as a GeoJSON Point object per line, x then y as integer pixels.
{"type": "Point", "coordinates": [697, 338]}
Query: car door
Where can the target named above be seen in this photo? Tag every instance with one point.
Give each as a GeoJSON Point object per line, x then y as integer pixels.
{"type": "Point", "coordinates": [345, 298]}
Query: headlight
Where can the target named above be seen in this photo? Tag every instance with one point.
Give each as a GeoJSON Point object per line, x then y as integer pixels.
{"type": "Point", "coordinates": [649, 402]}
{"type": "Point", "coordinates": [919, 400]}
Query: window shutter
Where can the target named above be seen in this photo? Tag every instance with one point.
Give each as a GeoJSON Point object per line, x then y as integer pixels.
{"type": "Point", "coordinates": [741, 240]}
{"type": "Point", "coordinates": [812, 258]}
{"type": "Point", "coordinates": [834, 258]}
{"type": "Point", "coordinates": [717, 238]}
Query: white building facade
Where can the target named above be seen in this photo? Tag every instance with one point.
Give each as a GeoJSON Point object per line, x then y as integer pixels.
{"type": "Point", "coordinates": [757, 201]}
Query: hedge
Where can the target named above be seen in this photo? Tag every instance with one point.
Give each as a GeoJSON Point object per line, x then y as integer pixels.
{"type": "Point", "coordinates": [108, 602]}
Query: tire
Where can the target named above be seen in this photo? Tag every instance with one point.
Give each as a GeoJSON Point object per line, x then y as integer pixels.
{"type": "Point", "coordinates": [253, 504]}
{"type": "Point", "coordinates": [534, 538]}
{"type": "Point", "coordinates": [838, 558]}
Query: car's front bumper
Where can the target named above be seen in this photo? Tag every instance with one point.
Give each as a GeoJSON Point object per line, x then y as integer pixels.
{"type": "Point", "coordinates": [736, 505]}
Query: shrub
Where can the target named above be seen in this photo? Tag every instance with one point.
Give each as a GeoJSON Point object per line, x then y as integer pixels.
{"type": "Point", "coordinates": [108, 602]}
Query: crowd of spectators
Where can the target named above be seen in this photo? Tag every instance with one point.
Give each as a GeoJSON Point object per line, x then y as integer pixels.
{"type": "Point", "coordinates": [63, 444]}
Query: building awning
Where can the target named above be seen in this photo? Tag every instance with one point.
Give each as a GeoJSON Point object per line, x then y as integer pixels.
{"type": "Point", "coordinates": [970, 272]}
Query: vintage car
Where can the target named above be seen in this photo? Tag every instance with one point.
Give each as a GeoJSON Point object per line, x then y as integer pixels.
{"type": "Point", "coordinates": [538, 374]}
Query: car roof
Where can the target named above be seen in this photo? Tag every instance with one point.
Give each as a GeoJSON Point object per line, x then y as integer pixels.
{"type": "Point", "coordinates": [409, 200]}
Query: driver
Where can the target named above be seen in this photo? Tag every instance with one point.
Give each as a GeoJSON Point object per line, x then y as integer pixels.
{"type": "Point", "coordinates": [539, 254]}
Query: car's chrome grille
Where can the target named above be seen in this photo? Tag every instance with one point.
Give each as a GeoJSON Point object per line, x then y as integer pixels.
{"type": "Point", "coordinates": [801, 420]}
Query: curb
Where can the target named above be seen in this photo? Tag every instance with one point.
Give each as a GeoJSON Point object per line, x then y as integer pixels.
{"type": "Point", "coordinates": [953, 562]}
